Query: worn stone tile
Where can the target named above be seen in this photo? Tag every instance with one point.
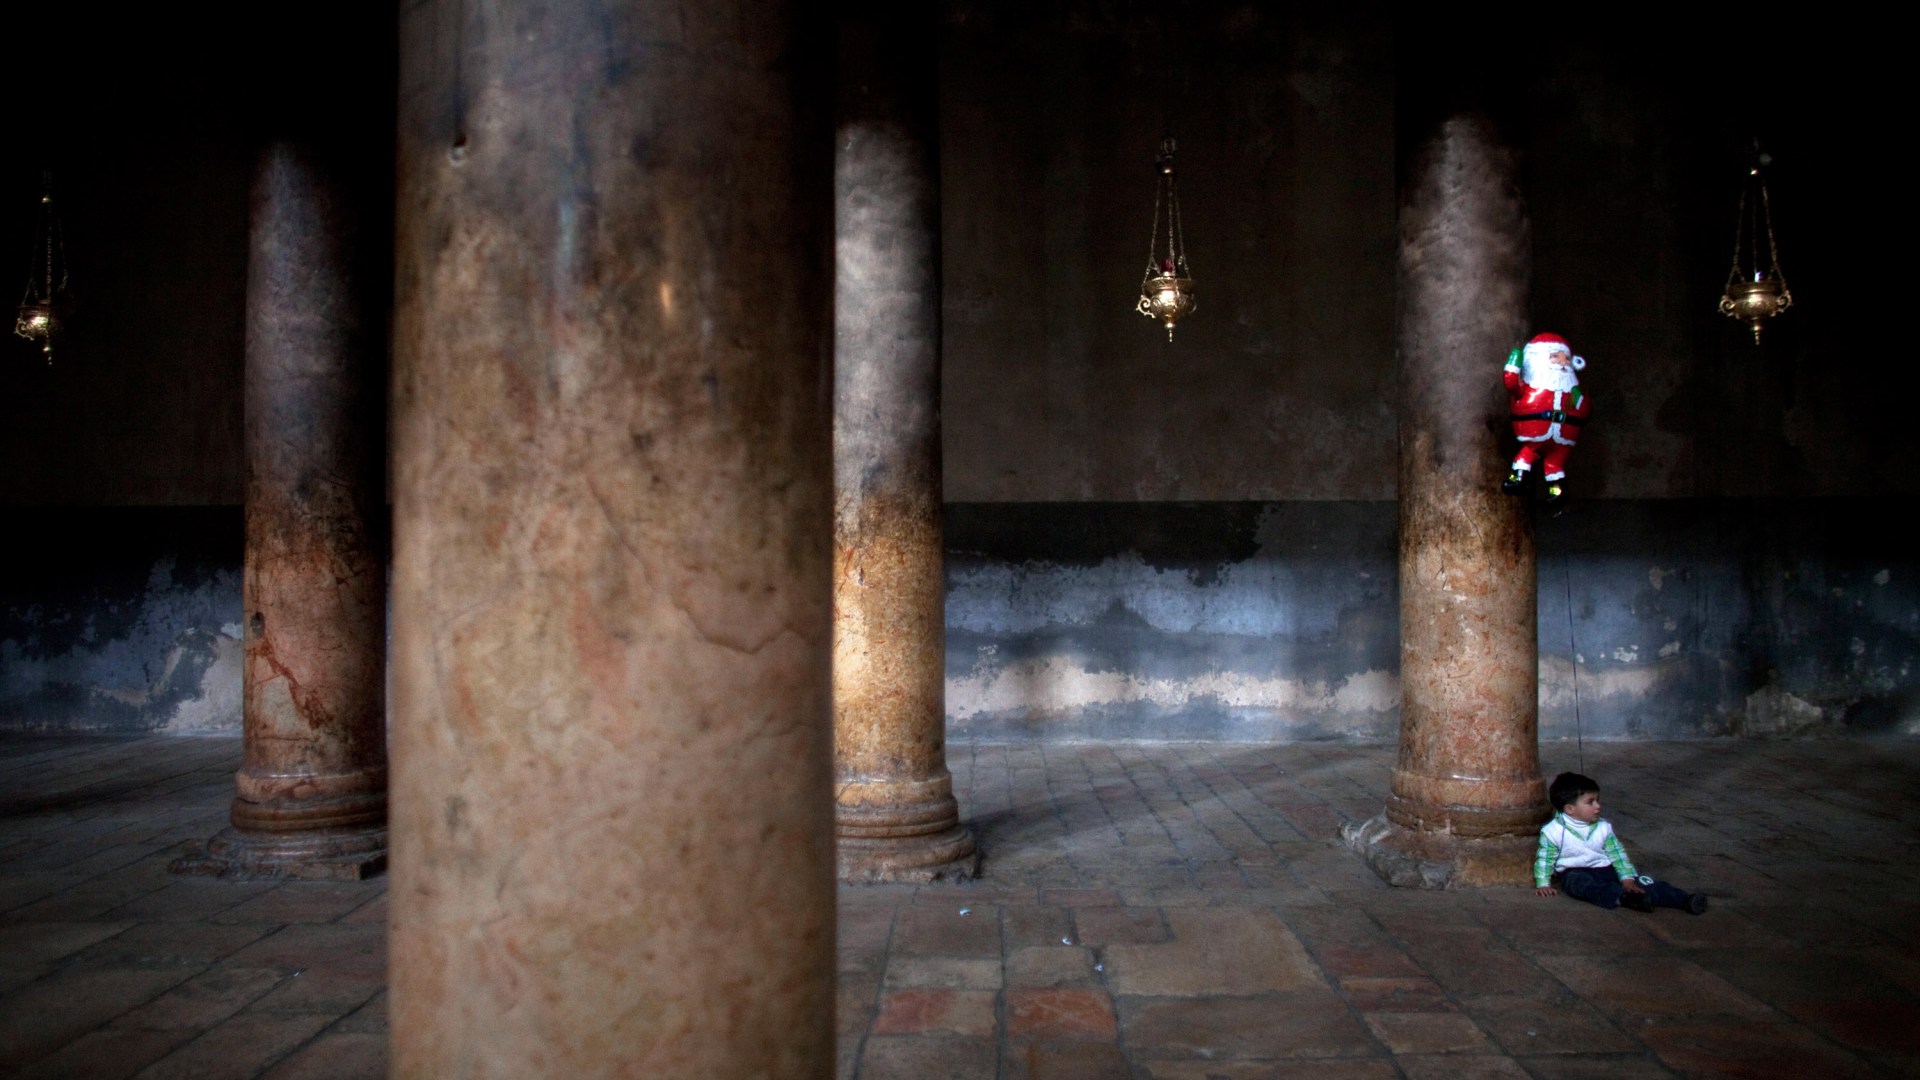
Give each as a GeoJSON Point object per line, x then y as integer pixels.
{"type": "Point", "coordinates": [33, 944]}
{"type": "Point", "coordinates": [1880, 1026]}
{"type": "Point", "coordinates": [915, 1057]}
{"type": "Point", "coordinates": [1637, 987]}
{"type": "Point", "coordinates": [187, 944]}
{"type": "Point", "coordinates": [930, 1010]}
{"type": "Point", "coordinates": [51, 1012]}
{"type": "Point", "coordinates": [375, 910]}
{"type": "Point", "coordinates": [1426, 1032]}
{"type": "Point", "coordinates": [107, 1054]}
{"type": "Point", "coordinates": [1060, 1015]}
{"type": "Point", "coordinates": [1461, 1067]}
{"type": "Point", "coordinates": [320, 990]}
{"type": "Point", "coordinates": [1058, 1061]}
{"type": "Point", "coordinates": [1369, 994]}
{"type": "Point", "coordinates": [1531, 1024]}
{"type": "Point", "coordinates": [1226, 951]}
{"type": "Point", "coordinates": [204, 1000]}
{"type": "Point", "coordinates": [305, 902]}
{"type": "Point", "coordinates": [1363, 1069]}
{"type": "Point", "coordinates": [1299, 1024]}
{"type": "Point", "coordinates": [338, 947]}
{"type": "Point", "coordinates": [943, 931]}
{"type": "Point", "coordinates": [1738, 1047]}
{"type": "Point", "coordinates": [856, 999]}
{"type": "Point", "coordinates": [1477, 962]}
{"type": "Point", "coordinates": [1596, 1066]}
{"type": "Point", "coordinates": [1118, 926]}
{"type": "Point", "coordinates": [952, 972]}
{"type": "Point", "coordinates": [188, 899]}
{"type": "Point", "coordinates": [370, 1018]}
{"type": "Point", "coordinates": [1370, 961]}
{"type": "Point", "coordinates": [241, 1047]}
{"type": "Point", "coordinates": [335, 1056]}
{"type": "Point", "coordinates": [1563, 926]}
{"type": "Point", "coordinates": [1031, 924]}
{"type": "Point", "coordinates": [1051, 965]}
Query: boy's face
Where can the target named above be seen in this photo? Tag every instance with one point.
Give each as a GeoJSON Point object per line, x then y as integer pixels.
{"type": "Point", "coordinates": [1586, 808]}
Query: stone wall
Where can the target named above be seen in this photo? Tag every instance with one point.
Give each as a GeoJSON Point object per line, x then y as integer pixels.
{"type": "Point", "coordinates": [1279, 621]}
{"type": "Point", "coordinates": [127, 619]}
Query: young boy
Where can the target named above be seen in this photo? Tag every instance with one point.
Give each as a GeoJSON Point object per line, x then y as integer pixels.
{"type": "Point", "coordinates": [1579, 852]}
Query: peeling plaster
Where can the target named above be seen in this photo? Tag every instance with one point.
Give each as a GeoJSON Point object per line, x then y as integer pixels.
{"type": "Point", "coordinates": [1059, 684]}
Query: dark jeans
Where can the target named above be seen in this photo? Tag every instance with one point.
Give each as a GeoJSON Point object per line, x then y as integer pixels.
{"type": "Point", "coordinates": [1601, 885]}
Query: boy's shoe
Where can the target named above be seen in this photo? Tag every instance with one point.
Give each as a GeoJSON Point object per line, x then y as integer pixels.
{"type": "Point", "coordinates": [1637, 901]}
{"type": "Point", "coordinates": [1696, 904]}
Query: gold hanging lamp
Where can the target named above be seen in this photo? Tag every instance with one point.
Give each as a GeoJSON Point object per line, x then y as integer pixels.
{"type": "Point", "coordinates": [1755, 293]}
{"type": "Point", "coordinates": [1166, 292]}
{"type": "Point", "coordinates": [47, 303]}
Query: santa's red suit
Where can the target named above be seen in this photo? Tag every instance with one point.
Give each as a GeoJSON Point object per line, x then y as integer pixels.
{"type": "Point", "coordinates": [1548, 406]}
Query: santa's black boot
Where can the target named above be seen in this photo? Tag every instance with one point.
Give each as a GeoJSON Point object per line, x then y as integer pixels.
{"type": "Point", "coordinates": [1515, 483]}
{"type": "Point", "coordinates": [1556, 492]}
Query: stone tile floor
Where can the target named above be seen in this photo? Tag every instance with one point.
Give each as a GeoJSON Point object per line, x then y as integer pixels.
{"type": "Point", "coordinates": [1180, 911]}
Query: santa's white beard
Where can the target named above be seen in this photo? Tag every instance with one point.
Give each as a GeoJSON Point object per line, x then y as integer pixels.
{"type": "Point", "coordinates": [1548, 376]}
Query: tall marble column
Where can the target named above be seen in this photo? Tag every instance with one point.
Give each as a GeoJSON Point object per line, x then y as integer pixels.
{"type": "Point", "coordinates": [613, 836]}
{"type": "Point", "coordinates": [895, 815]}
{"type": "Point", "coordinates": [1466, 796]}
{"type": "Point", "coordinates": [312, 788]}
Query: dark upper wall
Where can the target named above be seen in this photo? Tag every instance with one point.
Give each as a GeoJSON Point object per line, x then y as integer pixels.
{"type": "Point", "coordinates": [1280, 386]}
{"type": "Point", "coordinates": [1636, 129]}
{"type": "Point", "coordinates": [149, 118]}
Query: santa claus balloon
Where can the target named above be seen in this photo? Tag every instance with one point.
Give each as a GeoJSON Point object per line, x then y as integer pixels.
{"type": "Point", "coordinates": [1548, 410]}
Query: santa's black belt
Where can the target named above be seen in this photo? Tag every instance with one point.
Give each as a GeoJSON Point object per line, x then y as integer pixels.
{"type": "Point", "coordinates": [1554, 415]}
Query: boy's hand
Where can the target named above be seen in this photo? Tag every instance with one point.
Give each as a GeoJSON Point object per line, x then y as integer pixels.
{"type": "Point", "coordinates": [1547, 890]}
{"type": "Point", "coordinates": [1632, 884]}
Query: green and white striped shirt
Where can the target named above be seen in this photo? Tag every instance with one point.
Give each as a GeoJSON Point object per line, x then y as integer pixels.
{"type": "Point", "coordinates": [1566, 843]}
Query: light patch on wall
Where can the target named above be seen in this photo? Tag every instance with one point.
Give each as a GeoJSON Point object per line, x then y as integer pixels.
{"type": "Point", "coordinates": [1059, 684]}
{"type": "Point", "coordinates": [1640, 681]}
{"type": "Point", "coordinates": [1658, 576]}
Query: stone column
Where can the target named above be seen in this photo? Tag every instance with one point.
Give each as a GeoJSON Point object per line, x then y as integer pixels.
{"type": "Point", "coordinates": [1466, 795]}
{"type": "Point", "coordinates": [895, 814]}
{"type": "Point", "coordinates": [312, 787]}
{"type": "Point", "coordinates": [613, 845]}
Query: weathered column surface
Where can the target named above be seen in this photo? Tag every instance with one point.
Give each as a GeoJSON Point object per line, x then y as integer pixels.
{"type": "Point", "coordinates": [613, 846]}
{"type": "Point", "coordinates": [895, 814]}
{"type": "Point", "coordinates": [312, 787]}
{"type": "Point", "coordinates": [1466, 796]}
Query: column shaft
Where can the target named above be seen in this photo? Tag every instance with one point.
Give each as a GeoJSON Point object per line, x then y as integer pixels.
{"type": "Point", "coordinates": [612, 820]}
{"type": "Point", "coordinates": [312, 788]}
{"type": "Point", "coordinates": [896, 817]}
{"type": "Point", "coordinates": [1466, 795]}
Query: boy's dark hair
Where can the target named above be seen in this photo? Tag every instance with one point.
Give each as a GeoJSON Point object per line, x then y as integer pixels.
{"type": "Point", "coordinates": [1567, 788]}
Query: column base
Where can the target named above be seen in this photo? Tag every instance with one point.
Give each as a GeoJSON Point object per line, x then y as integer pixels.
{"type": "Point", "coordinates": [320, 855]}
{"type": "Point", "coordinates": [949, 855]}
{"type": "Point", "coordinates": [1413, 859]}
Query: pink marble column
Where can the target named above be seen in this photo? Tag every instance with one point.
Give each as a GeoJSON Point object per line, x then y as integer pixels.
{"type": "Point", "coordinates": [312, 787]}
{"type": "Point", "coordinates": [895, 815]}
{"type": "Point", "coordinates": [1466, 796]}
{"type": "Point", "coordinates": [613, 845]}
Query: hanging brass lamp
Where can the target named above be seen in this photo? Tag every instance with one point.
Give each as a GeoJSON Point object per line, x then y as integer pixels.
{"type": "Point", "coordinates": [1755, 293]}
{"type": "Point", "coordinates": [47, 303]}
{"type": "Point", "coordinates": [1166, 291]}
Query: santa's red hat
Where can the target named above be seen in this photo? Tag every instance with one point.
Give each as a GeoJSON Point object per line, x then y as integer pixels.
{"type": "Point", "coordinates": [1541, 346]}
